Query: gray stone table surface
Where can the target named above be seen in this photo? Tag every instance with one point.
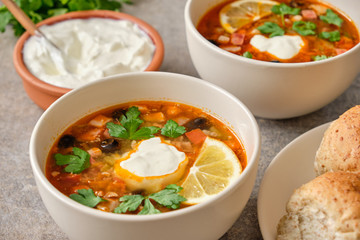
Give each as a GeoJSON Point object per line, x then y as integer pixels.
{"type": "Point", "coordinates": [22, 213]}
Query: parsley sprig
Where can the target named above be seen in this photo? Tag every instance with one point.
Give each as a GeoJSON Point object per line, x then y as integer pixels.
{"type": "Point", "coordinates": [332, 18]}
{"type": "Point", "coordinates": [320, 57]}
{"type": "Point", "coordinates": [86, 197]}
{"type": "Point", "coordinates": [283, 9]}
{"type": "Point", "coordinates": [172, 129]}
{"type": "Point", "coordinates": [75, 163]}
{"type": "Point", "coordinates": [333, 36]}
{"type": "Point", "coordinates": [271, 28]}
{"type": "Point", "coordinates": [38, 10]}
{"type": "Point", "coordinates": [247, 54]}
{"type": "Point", "coordinates": [167, 197]}
{"type": "Point", "coordinates": [129, 127]}
{"type": "Point", "coordinates": [304, 28]}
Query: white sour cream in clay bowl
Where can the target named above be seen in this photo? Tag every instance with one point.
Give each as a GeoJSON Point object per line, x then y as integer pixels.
{"type": "Point", "coordinates": [93, 44]}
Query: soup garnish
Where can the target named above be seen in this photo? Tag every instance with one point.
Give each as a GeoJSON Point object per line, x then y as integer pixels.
{"type": "Point", "coordinates": [286, 31]}
{"type": "Point", "coordinates": [145, 157]}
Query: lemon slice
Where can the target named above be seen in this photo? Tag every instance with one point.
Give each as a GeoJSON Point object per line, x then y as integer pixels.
{"type": "Point", "coordinates": [215, 168]}
{"type": "Point", "coordinates": [236, 14]}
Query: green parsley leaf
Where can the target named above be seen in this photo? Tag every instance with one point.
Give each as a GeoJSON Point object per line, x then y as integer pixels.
{"type": "Point", "coordinates": [331, 18]}
{"type": "Point", "coordinates": [30, 5]}
{"type": "Point", "coordinates": [304, 28]}
{"type": "Point", "coordinates": [144, 133]}
{"type": "Point", "coordinates": [283, 9]}
{"type": "Point", "coordinates": [5, 17]}
{"type": "Point", "coordinates": [57, 11]}
{"type": "Point", "coordinates": [81, 5]}
{"type": "Point", "coordinates": [320, 57]}
{"type": "Point", "coordinates": [86, 197]}
{"type": "Point", "coordinates": [129, 127]}
{"type": "Point", "coordinates": [49, 3]}
{"type": "Point", "coordinates": [117, 130]}
{"type": "Point", "coordinates": [18, 28]}
{"type": "Point", "coordinates": [168, 197]}
{"type": "Point", "coordinates": [111, 5]}
{"type": "Point", "coordinates": [272, 28]}
{"type": "Point", "coordinates": [127, 1]}
{"type": "Point", "coordinates": [131, 121]}
{"type": "Point", "coordinates": [75, 163]}
{"type": "Point", "coordinates": [148, 208]}
{"type": "Point", "coordinates": [333, 36]}
{"type": "Point", "coordinates": [172, 129]}
{"type": "Point", "coordinates": [247, 54]}
{"type": "Point", "coordinates": [129, 203]}
{"type": "Point", "coordinates": [35, 17]}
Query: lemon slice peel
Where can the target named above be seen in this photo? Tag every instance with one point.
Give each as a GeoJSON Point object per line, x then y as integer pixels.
{"type": "Point", "coordinates": [239, 13]}
{"type": "Point", "coordinates": [216, 167]}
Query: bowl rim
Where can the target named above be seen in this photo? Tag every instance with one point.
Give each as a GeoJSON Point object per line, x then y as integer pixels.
{"type": "Point", "coordinates": [190, 25]}
{"type": "Point", "coordinates": [27, 76]}
{"type": "Point", "coordinates": [41, 178]}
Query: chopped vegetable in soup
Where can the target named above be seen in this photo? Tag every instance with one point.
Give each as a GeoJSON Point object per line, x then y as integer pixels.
{"type": "Point", "coordinates": [143, 158]}
{"type": "Point", "coordinates": [287, 31]}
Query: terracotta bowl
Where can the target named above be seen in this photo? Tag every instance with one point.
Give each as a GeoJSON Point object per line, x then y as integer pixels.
{"type": "Point", "coordinates": [44, 94]}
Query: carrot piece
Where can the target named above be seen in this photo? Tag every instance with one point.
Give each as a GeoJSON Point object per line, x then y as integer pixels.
{"type": "Point", "coordinates": [196, 136]}
{"type": "Point", "coordinates": [173, 111]}
{"type": "Point", "coordinates": [154, 117]}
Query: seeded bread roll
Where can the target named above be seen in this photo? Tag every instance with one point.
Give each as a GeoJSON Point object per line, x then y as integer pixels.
{"type": "Point", "coordinates": [327, 207]}
{"type": "Point", "coordinates": [340, 147]}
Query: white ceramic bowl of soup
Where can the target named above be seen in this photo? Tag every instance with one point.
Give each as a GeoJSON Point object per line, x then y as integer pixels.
{"type": "Point", "coordinates": [273, 90]}
{"type": "Point", "coordinates": [207, 220]}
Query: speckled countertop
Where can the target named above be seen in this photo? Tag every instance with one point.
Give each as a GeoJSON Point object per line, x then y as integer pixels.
{"type": "Point", "coordinates": [22, 213]}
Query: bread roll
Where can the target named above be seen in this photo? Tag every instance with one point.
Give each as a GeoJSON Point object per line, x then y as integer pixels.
{"type": "Point", "coordinates": [340, 147]}
{"type": "Point", "coordinates": [328, 207]}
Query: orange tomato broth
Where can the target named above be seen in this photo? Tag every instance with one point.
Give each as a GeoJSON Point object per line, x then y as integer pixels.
{"type": "Point", "coordinates": [101, 177]}
{"type": "Point", "coordinates": [209, 26]}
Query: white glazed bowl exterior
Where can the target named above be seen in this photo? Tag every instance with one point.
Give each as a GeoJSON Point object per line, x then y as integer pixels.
{"type": "Point", "coordinates": [206, 221]}
{"type": "Point", "coordinates": [272, 90]}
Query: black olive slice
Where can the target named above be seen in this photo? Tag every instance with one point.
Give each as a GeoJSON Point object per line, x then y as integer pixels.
{"type": "Point", "coordinates": [199, 122]}
{"type": "Point", "coordinates": [117, 114]}
{"type": "Point", "coordinates": [109, 144]}
{"type": "Point", "coordinates": [66, 141]}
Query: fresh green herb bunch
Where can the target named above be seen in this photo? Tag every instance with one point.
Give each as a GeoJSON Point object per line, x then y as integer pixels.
{"type": "Point", "coordinates": [38, 10]}
{"type": "Point", "coordinates": [168, 197]}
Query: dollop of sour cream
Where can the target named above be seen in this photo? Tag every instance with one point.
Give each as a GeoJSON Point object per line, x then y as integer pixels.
{"type": "Point", "coordinates": [90, 49]}
{"type": "Point", "coordinates": [282, 47]}
{"type": "Point", "coordinates": [153, 158]}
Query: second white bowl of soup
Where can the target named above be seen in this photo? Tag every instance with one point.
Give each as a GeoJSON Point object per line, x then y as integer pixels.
{"type": "Point", "coordinates": [268, 62]}
{"type": "Point", "coordinates": [90, 157]}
